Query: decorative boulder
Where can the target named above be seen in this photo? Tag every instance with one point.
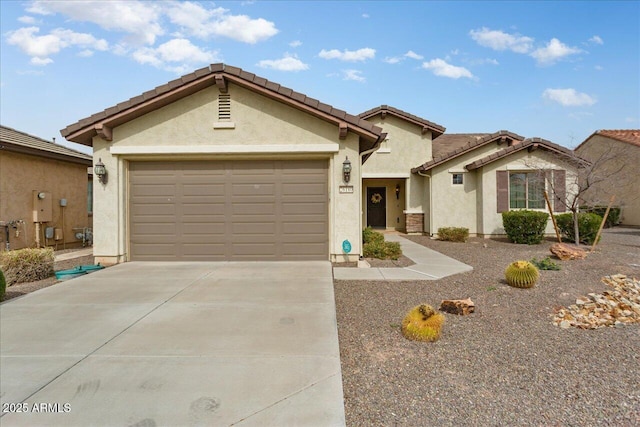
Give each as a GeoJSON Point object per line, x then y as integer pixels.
{"type": "Point", "coordinates": [567, 252]}
{"type": "Point", "coordinates": [461, 307]}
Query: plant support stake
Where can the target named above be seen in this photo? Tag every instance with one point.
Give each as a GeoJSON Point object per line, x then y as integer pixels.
{"type": "Point", "coordinates": [604, 219]}
{"type": "Point", "coordinates": [553, 218]}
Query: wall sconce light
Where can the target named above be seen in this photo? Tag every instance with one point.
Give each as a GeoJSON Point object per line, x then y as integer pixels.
{"type": "Point", "coordinates": [101, 171]}
{"type": "Point", "coordinates": [346, 170]}
{"type": "Point", "coordinates": [398, 191]}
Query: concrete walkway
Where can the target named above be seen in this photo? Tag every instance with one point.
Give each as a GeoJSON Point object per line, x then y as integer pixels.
{"type": "Point", "coordinates": [74, 254]}
{"type": "Point", "coordinates": [429, 265]}
{"type": "Point", "coordinates": [175, 344]}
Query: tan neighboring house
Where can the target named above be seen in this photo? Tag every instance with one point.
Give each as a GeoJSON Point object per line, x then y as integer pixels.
{"type": "Point", "coordinates": [45, 193]}
{"type": "Point", "coordinates": [616, 155]}
{"type": "Point", "coordinates": [222, 164]}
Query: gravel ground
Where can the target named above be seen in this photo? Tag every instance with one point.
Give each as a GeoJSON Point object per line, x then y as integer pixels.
{"type": "Point", "coordinates": [24, 288]}
{"type": "Point", "coordinates": [505, 364]}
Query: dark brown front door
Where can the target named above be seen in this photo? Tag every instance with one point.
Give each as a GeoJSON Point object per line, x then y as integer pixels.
{"type": "Point", "coordinates": [377, 207]}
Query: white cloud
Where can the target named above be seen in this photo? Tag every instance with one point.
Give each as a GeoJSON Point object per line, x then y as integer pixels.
{"type": "Point", "coordinates": [287, 63]}
{"type": "Point", "coordinates": [365, 15]}
{"type": "Point", "coordinates": [29, 20]}
{"type": "Point", "coordinates": [440, 67]}
{"type": "Point", "coordinates": [554, 51]}
{"type": "Point", "coordinates": [244, 29]}
{"type": "Point", "coordinates": [392, 59]}
{"type": "Point", "coordinates": [139, 19]}
{"type": "Point", "coordinates": [295, 43]}
{"type": "Point", "coordinates": [355, 75]}
{"type": "Point", "coordinates": [86, 53]}
{"type": "Point", "coordinates": [40, 48]}
{"type": "Point", "coordinates": [499, 40]}
{"type": "Point", "coordinates": [348, 55]}
{"type": "Point", "coordinates": [411, 54]}
{"type": "Point", "coordinates": [568, 97]}
{"type": "Point", "coordinates": [177, 55]}
{"type": "Point", "coordinates": [596, 40]}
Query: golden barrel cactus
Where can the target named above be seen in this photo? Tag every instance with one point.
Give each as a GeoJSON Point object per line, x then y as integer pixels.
{"type": "Point", "coordinates": [521, 274]}
{"type": "Point", "coordinates": [422, 323]}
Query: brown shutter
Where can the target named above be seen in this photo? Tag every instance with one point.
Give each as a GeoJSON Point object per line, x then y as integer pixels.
{"type": "Point", "coordinates": [559, 190]}
{"type": "Point", "coordinates": [502, 180]}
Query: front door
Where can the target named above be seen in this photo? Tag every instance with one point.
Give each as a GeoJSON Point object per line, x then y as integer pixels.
{"type": "Point", "coordinates": [377, 207]}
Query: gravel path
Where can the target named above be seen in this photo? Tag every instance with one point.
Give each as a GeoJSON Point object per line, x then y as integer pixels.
{"type": "Point", "coordinates": [505, 364]}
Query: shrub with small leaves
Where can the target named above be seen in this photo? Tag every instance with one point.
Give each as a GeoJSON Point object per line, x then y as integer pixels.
{"type": "Point", "coordinates": [3, 285]}
{"type": "Point", "coordinates": [453, 234]}
{"type": "Point", "coordinates": [27, 265]}
{"type": "Point", "coordinates": [525, 226]}
{"type": "Point", "coordinates": [545, 264]}
{"type": "Point", "coordinates": [422, 323]}
{"type": "Point", "coordinates": [369, 236]}
{"type": "Point", "coordinates": [612, 219]}
{"type": "Point", "coordinates": [382, 250]}
{"type": "Point", "coordinates": [588, 226]}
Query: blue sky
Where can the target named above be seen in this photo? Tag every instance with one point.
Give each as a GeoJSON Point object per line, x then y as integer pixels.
{"type": "Point", "coordinates": [556, 70]}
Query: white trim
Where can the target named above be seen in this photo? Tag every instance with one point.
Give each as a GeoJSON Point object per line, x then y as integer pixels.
{"type": "Point", "coordinates": [457, 171]}
{"type": "Point", "coordinates": [224, 125]}
{"type": "Point", "coordinates": [412, 211]}
{"type": "Point", "coordinates": [225, 149]}
{"type": "Point", "coordinates": [383, 150]}
{"type": "Point", "coordinates": [386, 175]}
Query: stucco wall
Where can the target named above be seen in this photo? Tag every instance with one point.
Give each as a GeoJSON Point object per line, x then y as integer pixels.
{"type": "Point", "coordinates": [20, 175]}
{"type": "Point", "coordinates": [187, 126]}
{"type": "Point", "coordinates": [621, 172]}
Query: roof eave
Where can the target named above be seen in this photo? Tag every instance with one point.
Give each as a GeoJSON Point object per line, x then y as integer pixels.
{"type": "Point", "coordinates": [32, 151]}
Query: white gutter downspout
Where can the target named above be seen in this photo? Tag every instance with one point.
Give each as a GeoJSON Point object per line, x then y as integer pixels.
{"type": "Point", "coordinates": [430, 201]}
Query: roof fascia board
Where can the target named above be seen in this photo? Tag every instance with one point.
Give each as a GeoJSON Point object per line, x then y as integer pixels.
{"type": "Point", "coordinates": [42, 153]}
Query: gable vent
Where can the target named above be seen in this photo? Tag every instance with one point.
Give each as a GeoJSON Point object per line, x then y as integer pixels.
{"type": "Point", "coordinates": [224, 107]}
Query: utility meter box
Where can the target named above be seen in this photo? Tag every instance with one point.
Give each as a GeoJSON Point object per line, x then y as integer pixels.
{"type": "Point", "coordinates": [42, 206]}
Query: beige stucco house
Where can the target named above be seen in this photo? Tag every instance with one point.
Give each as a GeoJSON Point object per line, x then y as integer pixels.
{"type": "Point", "coordinates": [221, 164]}
{"type": "Point", "coordinates": [45, 193]}
{"type": "Point", "coordinates": [615, 155]}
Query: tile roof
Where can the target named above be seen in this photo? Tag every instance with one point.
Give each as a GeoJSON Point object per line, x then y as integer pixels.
{"type": "Point", "coordinates": [529, 143]}
{"type": "Point", "coordinates": [16, 140]}
{"type": "Point", "coordinates": [435, 128]}
{"type": "Point", "coordinates": [473, 143]}
{"type": "Point", "coordinates": [452, 141]}
{"type": "Point", "coordinates": [631, 136]}
{"type": "Point", "coordinates": [84, 130]}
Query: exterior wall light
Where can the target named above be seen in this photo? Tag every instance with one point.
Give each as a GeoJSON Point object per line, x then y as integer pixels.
{"type": "Point", "coordinates": [346, 170]}
{"type": "Point", "coordinates": [398, 191]}
{"type": "Point", "coordinates": [101, 171]}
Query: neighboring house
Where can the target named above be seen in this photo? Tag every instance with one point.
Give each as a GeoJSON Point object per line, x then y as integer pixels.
{"type": "Point", "coordinates": [221, 164]}
{"type": "Point", "coordinates": [45, 192]}
{"type": "Point", "coordinates": [615, 155]}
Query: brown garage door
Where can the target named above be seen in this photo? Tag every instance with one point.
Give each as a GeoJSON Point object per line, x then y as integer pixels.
{"type": "Point", "coordinates": [229, 210]}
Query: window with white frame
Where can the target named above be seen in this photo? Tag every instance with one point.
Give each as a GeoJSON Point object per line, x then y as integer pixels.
{"type": "Point", "coordinates": [457, 179]}
{"type": "Point", "coordinates": [526, 190]}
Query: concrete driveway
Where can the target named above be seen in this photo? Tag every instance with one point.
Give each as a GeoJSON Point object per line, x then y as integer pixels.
{"type": "Point", "coordinates": [175, 344]}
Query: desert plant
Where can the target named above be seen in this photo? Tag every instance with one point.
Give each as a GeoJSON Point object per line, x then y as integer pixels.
{"type": "Point", "coordinates": [521, 274]}
{"type": "Point", "coordinates": [588, 225]}
{"type": "Point", "coordinates": [369, 236]}
{"type": "Point", "coordinates": [382, 250]}
{"type": "Point", "coordinates": [422, 323]}
{"type": "Point", "coordinates": [612, 219]}
{"type": "Point", "coordinates": [453, 234]}
{"type": "Point", "coordinates": [3, 285]}
{"type": "Point", "coordinates": [545, 264]}
{"type": "Point", "coordinates": [27, 265]}
{"type": "Point", "coordinates": [525, 226]}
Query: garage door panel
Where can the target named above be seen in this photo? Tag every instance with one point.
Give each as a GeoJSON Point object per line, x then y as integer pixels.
{"type": "Point", "coordinates": [229, 210]}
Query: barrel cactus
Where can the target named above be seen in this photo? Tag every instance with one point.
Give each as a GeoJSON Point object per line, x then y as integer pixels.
{"type": "Point", "coordinates": [422, 323]}
{"type": "Point", "coordinates": [521, 274]}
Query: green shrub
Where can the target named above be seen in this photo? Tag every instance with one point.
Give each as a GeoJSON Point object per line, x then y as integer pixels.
{"type": "Point", "coordinates": [27, 265]}
{"type": "Point", "coordinates": [545, 264]}
{"type": "Point", "coordinates": [368, 236]}
{"type": "Point", "coordinates": [3, 285]}
{"type": "Point", "coordinates": [525, 226]}
{"type": "Point", "coordinates": [382, 250]}
{"type": "Point", "coordinates": [453, 234]}
{"type": "Point", "coordinates": [588, 225]}
{"type": "Point", "coordinates": [612, 219]}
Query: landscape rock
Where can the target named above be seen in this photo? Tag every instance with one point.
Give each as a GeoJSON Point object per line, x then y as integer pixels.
{"type": "Point", "coordinates": [461, 307]}
{"type": "Point", "coordinates": [567, 252]}
{"type": "Point", "coordinates": [614, 308]}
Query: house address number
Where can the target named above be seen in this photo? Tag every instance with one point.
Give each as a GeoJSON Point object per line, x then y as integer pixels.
{"type": "Point", "coordinates": [346, 189]}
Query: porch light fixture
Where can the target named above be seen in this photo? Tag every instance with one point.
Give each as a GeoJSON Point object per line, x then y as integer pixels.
{"type": "Point", "coordinates": [346, 170]}
{"type": "Point", "coordinates": [398, 191]}
{"type": "Point", "coordinates": [101, 171]}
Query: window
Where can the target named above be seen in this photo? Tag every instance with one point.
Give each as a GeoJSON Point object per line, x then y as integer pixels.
{"type": "Point", "coordinates": [526, 190]}
{"type": "Point", "coordinates": [457, 179]}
